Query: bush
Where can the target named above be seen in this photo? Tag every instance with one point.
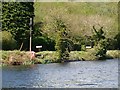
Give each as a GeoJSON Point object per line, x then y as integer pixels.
{"type": "Point", "coordinates": [101, 48]}
{"type": "Point", "coordinates": [62, 41]}
{"type": "Point", "coordinates": [77, 47]}
{"type": "Point", "coordinates": [83, 47]}
{"type": "Point", "coordinates": [8, 42]}
{"type": "Point", "coordinates": [112, 44]}
{"type": "Point", "coordinates": [47, 44]}
{"type": "Point", "coordinates": [64, 46]}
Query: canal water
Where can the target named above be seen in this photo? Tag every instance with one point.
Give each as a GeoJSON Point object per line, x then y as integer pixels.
{"type": "Point", "coordinates": [82, 74]}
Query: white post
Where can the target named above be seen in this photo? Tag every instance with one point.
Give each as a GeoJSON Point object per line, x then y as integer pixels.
{"type": "Point", "coordinates": [30, 33]}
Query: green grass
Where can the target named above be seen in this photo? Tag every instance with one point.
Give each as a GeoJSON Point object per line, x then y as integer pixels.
{"type": "Point", "coordinates": [113, 53]}
{"type": "Point", "coordinates": [78, 8]}
{"type": "Point", "coordinates": [46, 57]}
{"type": "Point", "coordinates": [52, 56]}
{"type": "Point", "coordinates": [82, 55]}
{"type": "Point", "coordinates": [11, 57]}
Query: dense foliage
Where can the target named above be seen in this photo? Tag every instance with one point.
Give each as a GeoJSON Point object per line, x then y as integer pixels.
{"type": "Point", "coordinates": [39, 38]}
{"type": "Point", "coordinates": [98, 35]}
{"type": "Point", "coordinates": [81, 18]}
{"type": "Point", "coordinates": [65, 27]}
{"type": "Point", "coordinates": [75, 19]}
{"type": "Point", "coordinates": [16, 18]}
{"type": "Point", "coordinates": [100, 42]}
{"type": "Point", "coordinates": [45, 42]}
{"type": "Point", "coordinates": [101, 48]}
{"type": "Point", "coordinates": [63, 43]}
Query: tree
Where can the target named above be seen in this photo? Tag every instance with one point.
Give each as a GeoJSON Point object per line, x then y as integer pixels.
{"type": "Point", "coordinates": [63, 43]}
{"type": "Point", "coordinates": [98, 34]}
{"type": "Point", "coordinates": [101, 48]}
{"type": "Point", "coordinates": [101, 43]}
{"type": "Point", "coordinates": [15, 19]}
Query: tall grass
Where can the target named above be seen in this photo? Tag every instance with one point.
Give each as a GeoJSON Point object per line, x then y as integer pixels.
{"type": "Point", "coordinates": [15, 57]}
{"type": "Point", "coordinates": [113, 53]}
{"type": "Point", "coordinates": [47, 57]}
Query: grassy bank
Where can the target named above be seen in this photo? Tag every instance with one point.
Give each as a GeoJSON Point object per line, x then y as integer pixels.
{"type": "Point", "coordinates": [16, 58]}
{"type": "Point", "coordinates": [44, 57]}
{"type": "Point", "coordinates": [113, 53]}
{"type": "Point", "coordinates": [52, 56]}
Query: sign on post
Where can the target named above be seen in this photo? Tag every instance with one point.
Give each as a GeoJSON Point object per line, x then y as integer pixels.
{"type": "Point", "coordinates": [38, 47]}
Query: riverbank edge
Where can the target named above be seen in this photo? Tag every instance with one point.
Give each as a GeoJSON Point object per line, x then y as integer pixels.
{"type": "Point", "coordinates": [45, 57]}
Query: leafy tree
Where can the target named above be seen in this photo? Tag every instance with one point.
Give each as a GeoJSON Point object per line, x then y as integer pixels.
{"type": "Point", "coordinates": [40, 38]}
{"type": "Point", "coordinates": [101, 43]}
{"type": "Point", "coordinates": [37, 30]}
{"type": "Point", "coordinates": [15, 19]}
{"type": "Point", "coordinates": [63, 43]}
{"type": "Point", "coordinates": [101, 48]}
{"type": "Point", "coordinates": [98, 35]}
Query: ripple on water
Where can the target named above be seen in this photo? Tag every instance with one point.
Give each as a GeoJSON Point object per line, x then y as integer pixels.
{"type": "Point", "coordinates": [103, 74]}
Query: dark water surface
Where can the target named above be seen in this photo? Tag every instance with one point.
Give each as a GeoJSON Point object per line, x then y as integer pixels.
{"type": "Point", "coordinates": [82, 74]}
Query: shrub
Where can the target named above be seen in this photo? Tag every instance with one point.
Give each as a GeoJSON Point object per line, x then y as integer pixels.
{"type": "Point", "coordinates": [112, 44]}
{"type": "Point", "coordinates": [98, 35]}
{"type": "Point", "coordinates": [47, 44]}
{"type": "Point", "coordinates": [63, 47]}
{"type": "Point", "coordinates": [83, 47]}
{"type": "Point", "coordinates": [8, 42]}
{"type": "Point", "coordinates": [77, 47]}
{"type": "Point", "coordinates": [63, 43]}
{"type": "Point", "coordinates": [101, 48]}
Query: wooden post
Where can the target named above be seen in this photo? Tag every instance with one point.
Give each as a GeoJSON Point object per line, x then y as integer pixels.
{"type": "Point", "coordinates": [30, 33]}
